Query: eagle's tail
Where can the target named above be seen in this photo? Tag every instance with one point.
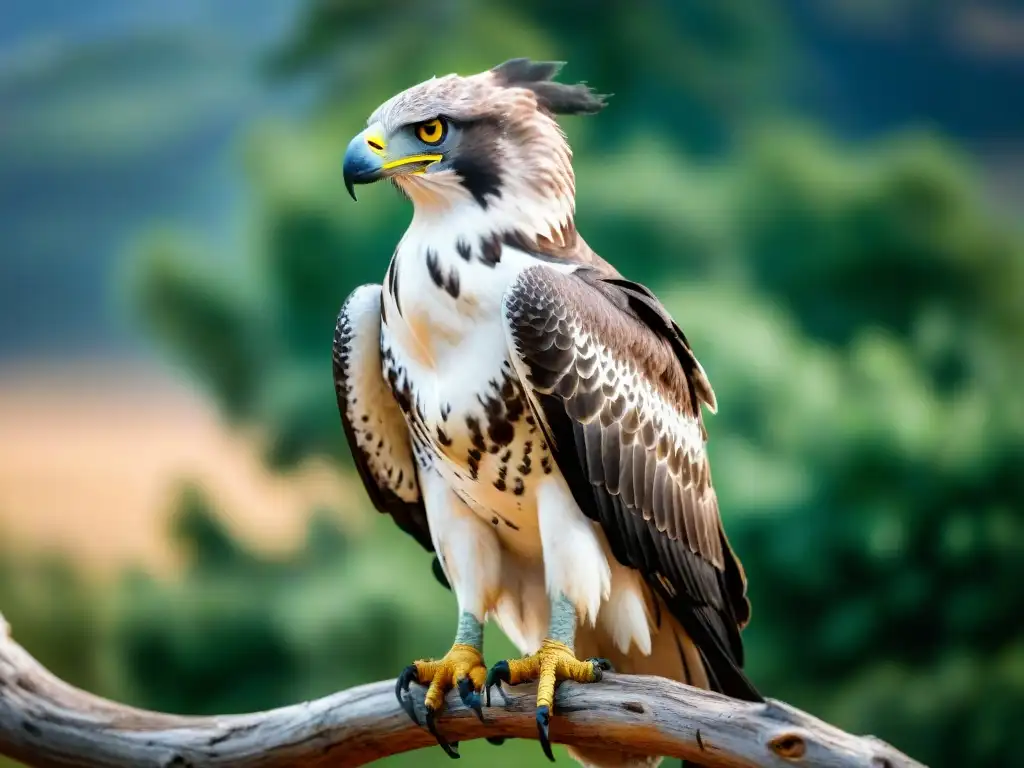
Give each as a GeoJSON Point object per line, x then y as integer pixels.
{"type": "Point", "coordinates": [673, 655]}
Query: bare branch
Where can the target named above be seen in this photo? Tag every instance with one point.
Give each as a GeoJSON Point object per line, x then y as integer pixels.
{"type": "Point", "coordinates": [44, 722]}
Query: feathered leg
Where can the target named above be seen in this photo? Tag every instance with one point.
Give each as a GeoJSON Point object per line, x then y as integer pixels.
{"type": "Point", "coordinates": [470, 557]}
{"type": "Point", "coordinates": [578, 579]}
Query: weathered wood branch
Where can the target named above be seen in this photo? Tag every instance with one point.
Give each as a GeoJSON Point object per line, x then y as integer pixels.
{"type": "Point", "coordinates": [45, 723]}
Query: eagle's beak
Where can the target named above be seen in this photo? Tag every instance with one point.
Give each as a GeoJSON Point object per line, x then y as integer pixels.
{"type": "Point", "coordinates": [366, 160]}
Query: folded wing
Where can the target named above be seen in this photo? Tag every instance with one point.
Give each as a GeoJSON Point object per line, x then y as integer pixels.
{"type": "Point", "coordinates": [619, 394]}
{"type": "Point", "coordinates": [374, 425]}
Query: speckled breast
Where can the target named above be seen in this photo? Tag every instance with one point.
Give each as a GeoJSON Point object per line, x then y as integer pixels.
{"type": "Point", "coordinates": [482, 438]}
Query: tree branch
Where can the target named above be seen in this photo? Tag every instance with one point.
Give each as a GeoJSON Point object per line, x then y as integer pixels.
{"type": "Point", "coordinates": [45, 723]}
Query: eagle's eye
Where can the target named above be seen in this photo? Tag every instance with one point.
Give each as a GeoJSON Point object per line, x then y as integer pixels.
{"type": "Point", "coordinates": [432, 131]}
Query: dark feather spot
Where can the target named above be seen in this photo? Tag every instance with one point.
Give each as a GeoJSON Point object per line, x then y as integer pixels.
{"type": "Point", "coordinates": [434, 268]}
{"type": "Point", "coordinates": [519, 487]}
{"type": "Point", "coordinates": [463, 249]}
{"type": "Point", "coordinates": [442, 437]}
{"type": "Point", "coordinates": [514, 409]}
{"type": "Point", "coordinates": [501, 431]}
{"type": "Point", "coordinates": [393, 285]}
{"type": "Point", "coordinates": [490, 251]}
{"type": "Point", "coordinates": [475, 435]}
{"type": "Point", "coordinates": [519, 241]}
{"type": "Point", "coordinates": [451, 284]}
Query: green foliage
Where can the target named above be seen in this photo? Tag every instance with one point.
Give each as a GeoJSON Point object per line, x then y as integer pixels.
{"type": "Point", "coordinates": [59, 616]}
{"type": "Point", "coordinates": [206, 318]}
{"type": "Point", "coordinates": [46, 603]}
{"type": "Point", "coordinates": [869, 441]}
{"type": "Point", "coordinates": [726, 54]}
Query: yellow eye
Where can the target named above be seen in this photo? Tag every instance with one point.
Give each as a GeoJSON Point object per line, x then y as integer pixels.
{"type": "Point", "coordinates": [432, 131]}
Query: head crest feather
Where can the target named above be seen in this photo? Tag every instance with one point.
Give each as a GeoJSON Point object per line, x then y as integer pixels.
{"type": "Point", "coordinates": [557, 98]}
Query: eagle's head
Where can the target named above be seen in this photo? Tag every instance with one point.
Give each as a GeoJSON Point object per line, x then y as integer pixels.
{"type": "Point", "coordinates": [489, 141]}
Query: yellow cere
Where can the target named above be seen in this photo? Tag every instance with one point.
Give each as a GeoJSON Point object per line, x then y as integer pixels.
{"type": "Point", "coordinates": [432, 131]}
{"type": "Point", "coordinates": [376, 145]}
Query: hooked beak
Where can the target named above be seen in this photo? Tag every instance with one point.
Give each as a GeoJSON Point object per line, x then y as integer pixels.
{"type": "Point", "coordinates": [366, 161]}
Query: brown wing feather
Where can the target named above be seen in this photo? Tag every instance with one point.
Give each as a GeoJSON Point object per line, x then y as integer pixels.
{"type": "Point", "coordinates": [619, 394]}
{"type": "Point", "coordinates": [374, 425]}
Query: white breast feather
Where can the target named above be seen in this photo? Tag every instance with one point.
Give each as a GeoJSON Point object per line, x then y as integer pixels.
{"type": "Point", "coordinates": [554, 547]}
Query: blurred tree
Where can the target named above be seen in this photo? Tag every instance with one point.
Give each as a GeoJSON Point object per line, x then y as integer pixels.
{"type": "Point", "coordinates": [870, 439]}
{"type": "Point", "coordinates": [233, 634]}
{"type": "Point", "coordinates": [46, 602]}
{"type": "Point", "coordinates": [696, 69]}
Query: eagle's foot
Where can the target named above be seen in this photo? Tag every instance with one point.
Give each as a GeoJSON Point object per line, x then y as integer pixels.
{"type": "Point", "coordinates": [553, 663]}
{"type": "Point", "coordinates": [462, 668]}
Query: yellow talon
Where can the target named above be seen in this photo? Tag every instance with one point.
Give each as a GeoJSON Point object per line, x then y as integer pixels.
{"type": "Point", "coordinates": [554, 662]}
{"type": "Point", "coordinates": [462, 667]}
{"type": "Point", "coordinates": [462, 662]}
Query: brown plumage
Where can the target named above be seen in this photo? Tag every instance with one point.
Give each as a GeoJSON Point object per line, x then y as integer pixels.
{"type": "Point", "coordinates": [619, 391]}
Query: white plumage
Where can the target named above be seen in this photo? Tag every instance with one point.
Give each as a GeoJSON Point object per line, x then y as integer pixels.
{"type": "Point", "coordinates": [451, 348]}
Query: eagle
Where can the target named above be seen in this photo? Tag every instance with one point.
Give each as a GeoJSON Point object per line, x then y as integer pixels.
{"type": "Point", "coordinates": [528, 414]}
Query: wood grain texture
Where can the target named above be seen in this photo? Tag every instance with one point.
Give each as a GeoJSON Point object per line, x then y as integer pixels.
{"type": "Point", "coordinates": [44, 723]}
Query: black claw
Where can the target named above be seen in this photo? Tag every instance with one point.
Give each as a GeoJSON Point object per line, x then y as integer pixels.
{"type": "Point", "coordinates": [402, 687]}
{"type": "Point", "coordinates": [600, 667]}
{"type": "Point", "coordinates": [543, 720]}
{"type": "Point", "coordinates": [495, 676]}
{"type": "Point", "coordinates": [495, 740]}
{"type": "Point", "coordinates": [441, 740]}
{"type": "Point", "coordinates": [470, 697]}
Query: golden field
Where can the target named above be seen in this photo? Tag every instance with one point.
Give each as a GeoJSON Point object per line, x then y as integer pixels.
{"type": "Point", "coordinates": [92, 458]}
